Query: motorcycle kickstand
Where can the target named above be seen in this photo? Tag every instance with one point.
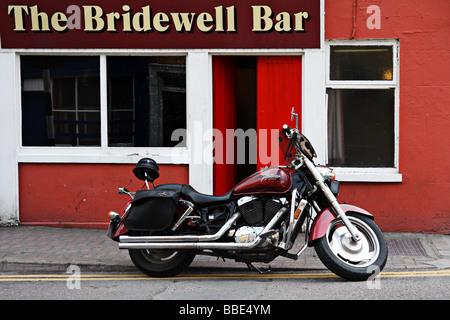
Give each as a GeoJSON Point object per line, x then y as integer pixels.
{"type": "Point", "coordinates": [252, 268]}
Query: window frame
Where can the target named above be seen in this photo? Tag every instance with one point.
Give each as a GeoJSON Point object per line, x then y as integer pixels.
{"type": "Point", "coordinates": [366, 174]}
{"type": "Point", "coordinates": [102, 153]}
{"type": "Point", "coordinates": [77, 109]}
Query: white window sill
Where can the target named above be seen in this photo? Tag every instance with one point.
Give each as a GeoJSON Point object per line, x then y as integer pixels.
{"type": "Point", "coordinates": [367, 175]}
{"type": "Point", "coordinates": [101, 155]}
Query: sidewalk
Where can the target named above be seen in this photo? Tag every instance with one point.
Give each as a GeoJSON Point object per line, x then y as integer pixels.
{"type": "Point", "coordinates": [44, 249]}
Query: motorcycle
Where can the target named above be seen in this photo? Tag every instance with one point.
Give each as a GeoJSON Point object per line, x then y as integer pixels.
{"type": "Point", "coordinates": [166, 226]}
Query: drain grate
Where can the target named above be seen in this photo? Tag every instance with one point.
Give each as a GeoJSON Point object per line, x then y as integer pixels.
{"type": "Point", "coordinates": [405, 247]}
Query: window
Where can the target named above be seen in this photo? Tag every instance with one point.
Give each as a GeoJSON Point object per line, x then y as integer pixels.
{"type": "Point", "coordinates": [362, 90]}
{"type": "Point", "coordinates": [146, 100]}
{"type": "Point", "coordinates": [361, 62]}
{"type": "Point", "coordinates": [61, 104]}
{"type": "Point", "coordinates": [361, 127]}
{"type": "Point", "coordinates": [60, 101]}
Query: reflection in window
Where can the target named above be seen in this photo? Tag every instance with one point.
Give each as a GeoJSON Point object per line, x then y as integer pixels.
{"type": "Point", "coordinates": [60, 101]}
{"type": "Point", "coordinates": [360, 128]}
{"type": "Point", "coordinates": [146, 100]}
{"type": "Point", "coordinates": [361, 63]}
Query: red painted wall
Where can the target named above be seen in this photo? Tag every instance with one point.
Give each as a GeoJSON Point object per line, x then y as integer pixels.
{"type": "Point", "coordinates": [419, 203]}
{"type": "Point", "coordinates": [81, 195]}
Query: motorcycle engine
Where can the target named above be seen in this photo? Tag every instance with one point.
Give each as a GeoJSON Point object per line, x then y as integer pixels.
{"type": "Point", "coordinates": [246, 234]}
{"type": "Point", "coordinates": [259, 211]}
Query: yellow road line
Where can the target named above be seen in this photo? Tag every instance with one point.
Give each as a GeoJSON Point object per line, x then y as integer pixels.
{"type": "Point", "coordinates": [68, 275]}
{"type": "Point", "coordinates": [431, 273]}
{"type": "Point", "coordinates": [105, 277]}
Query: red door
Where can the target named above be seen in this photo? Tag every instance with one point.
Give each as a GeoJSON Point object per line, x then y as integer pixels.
{"type": "Point", "coordinates": [279, 88]}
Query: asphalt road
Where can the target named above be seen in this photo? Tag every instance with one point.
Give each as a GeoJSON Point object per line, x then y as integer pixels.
{"type": "Point", "coordinates": [74, 285]}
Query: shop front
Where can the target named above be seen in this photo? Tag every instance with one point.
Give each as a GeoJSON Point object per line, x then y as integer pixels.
{"type": "Point", "coordinates": [203, 88]}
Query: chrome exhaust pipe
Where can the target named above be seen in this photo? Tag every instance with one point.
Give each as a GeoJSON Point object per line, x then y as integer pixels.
{"type": "Point", "coordinates": [259, 241]}
{"type": "Point", "coordinates": [192, 245]}
{"type": "Point", "coordinates": [199, 242]}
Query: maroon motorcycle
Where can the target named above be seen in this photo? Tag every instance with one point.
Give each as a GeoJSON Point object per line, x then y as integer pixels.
{"type": "Point", "coordinates": [166, 226]}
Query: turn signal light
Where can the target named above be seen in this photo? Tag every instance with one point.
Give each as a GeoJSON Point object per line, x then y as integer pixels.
{"type": "Point", "coordinates": [113, 216]}
{"type": "Point", "coordinates": [330, 176]}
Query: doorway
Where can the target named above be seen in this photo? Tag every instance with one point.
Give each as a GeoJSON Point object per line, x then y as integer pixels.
{"type": "Point", "coordinates": [250, 94]}
{"type": "Point", "coordinates": [246, 112]}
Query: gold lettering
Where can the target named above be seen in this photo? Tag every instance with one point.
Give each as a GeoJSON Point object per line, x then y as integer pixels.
{"type": "Point", "coordinates": [231, 24]}
{"type": "Point", "coordinates": [111, 21]}
{"type": "Point", "coordinates": [261, 15]}
{"type": "Point", "coordinates": [184, 22]}
{"type": "Point", "coordinates": [18, 16]}
{"type": "Point", "coordinates": [158, 19]}
{"type": "Point", "coordinates": [143, 16]}
{"type": "Point", "coordinates": [219, 18]}
{"type": "Point", "coordinates": [202, 19]}
{"type": "Point", "coordinates": [35, 17]}
{"type": "Point", "coordinates": [126, 18]}
{"type": "Point", "coordinates": [284, 22]}
{"type": "Point", "coordinates": [300, 17]}
{"type": "Point", "coordinates": [90, 16]}
{"type": "Point", "coordinates": [223, 19]}
{"type": "Point", "coordinates": [58, 17]}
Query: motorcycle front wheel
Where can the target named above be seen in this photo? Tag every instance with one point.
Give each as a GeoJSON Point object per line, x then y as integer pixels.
{"type": "Point", "coordinates": [354, 261]}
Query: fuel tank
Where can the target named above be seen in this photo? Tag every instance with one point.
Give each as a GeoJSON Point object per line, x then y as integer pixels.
{"type": "Point", "coordinates": [269, 180]}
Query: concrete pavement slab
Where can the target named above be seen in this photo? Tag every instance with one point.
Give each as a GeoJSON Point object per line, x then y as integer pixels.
{"type": "Point", "coordinates": [42, 249]}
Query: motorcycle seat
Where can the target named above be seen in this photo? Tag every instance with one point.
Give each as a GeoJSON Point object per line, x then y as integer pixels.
{"type": "Point", "coordinates": [200, 199]}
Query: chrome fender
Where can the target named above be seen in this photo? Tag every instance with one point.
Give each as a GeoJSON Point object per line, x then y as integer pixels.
{"type": "Point", "coordinates": [320, 225]}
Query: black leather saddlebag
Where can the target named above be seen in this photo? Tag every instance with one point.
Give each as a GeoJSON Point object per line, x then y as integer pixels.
{"type": "Point", "coordinates": [152, 210]}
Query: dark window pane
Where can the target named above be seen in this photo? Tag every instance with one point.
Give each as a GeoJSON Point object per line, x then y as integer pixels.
{"type": "Point", "coordinates": [56, 93]}
{"type": "Point", "coordinates": [88, 128]}
{"type": "Point", "coordinates": [88, 92]}
{"type": "Point", "coordinates": [121, 124]}
{"type": "Point", "coordinates": [64, 93]}
{"type": "Point", "coordinates": [361, 128]}
{"type": "Point", "coordinates": [121, 92]}
{"type": "Point", "coordinates": [146, 100]}
{"type": "Point", "coordinates": [361, 63]}
{"type": "Point", "coordinates": [77, 128]}
{"type": "Point", "coordinates": [65, 128]}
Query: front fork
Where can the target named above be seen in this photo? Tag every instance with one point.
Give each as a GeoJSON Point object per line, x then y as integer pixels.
{"type": "Point", "coordinates": [334, 204]}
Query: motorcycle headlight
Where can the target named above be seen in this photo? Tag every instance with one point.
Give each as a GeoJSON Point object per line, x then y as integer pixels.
{"type": "Point", "coordinates": [334, 187]}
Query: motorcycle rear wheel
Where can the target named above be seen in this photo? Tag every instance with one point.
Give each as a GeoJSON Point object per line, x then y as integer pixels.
{"type": "Point", "coordinates": [161, 263]}
{"type": "Point", "coordinates": [354, 261]}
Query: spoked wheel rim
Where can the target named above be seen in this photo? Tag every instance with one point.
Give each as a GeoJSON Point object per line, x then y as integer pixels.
{"type": "Point", "coordinates": [357, 254]}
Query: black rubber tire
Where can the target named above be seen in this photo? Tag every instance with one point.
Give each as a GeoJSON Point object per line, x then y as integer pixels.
{"type": "Point", "coordinates": [161, 263]}
{"type": "Point", "coordinates": [345, 269]}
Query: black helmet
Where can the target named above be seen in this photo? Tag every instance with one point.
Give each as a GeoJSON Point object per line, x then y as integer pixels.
{"type": "Point", "coordinates": [146, 169]}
